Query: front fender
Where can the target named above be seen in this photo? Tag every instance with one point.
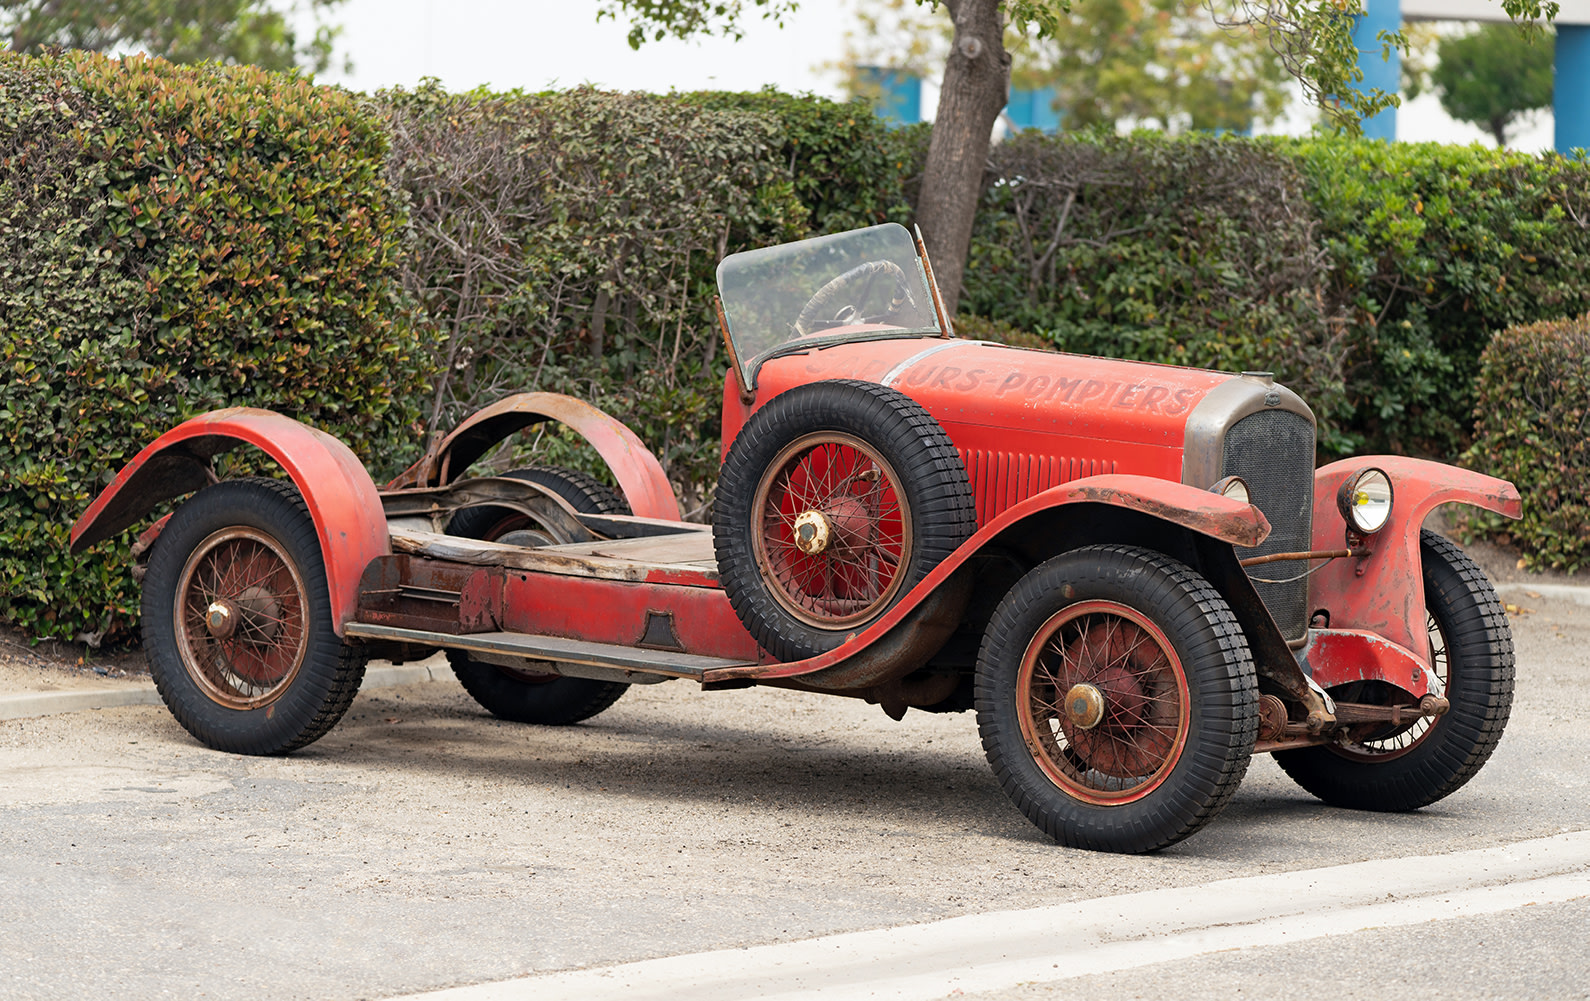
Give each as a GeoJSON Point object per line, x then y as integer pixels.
{"type": "Point", "coordinates": [339, 493]}
{"type": "Point", "coordinates": [1383, 592]}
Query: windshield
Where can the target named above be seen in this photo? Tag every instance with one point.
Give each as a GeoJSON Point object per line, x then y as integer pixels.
{"type": "Point", "coordinates": [864, 283]}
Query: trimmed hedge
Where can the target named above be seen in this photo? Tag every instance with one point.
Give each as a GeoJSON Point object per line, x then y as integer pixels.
{"type": "Point", "coordinates": [176, 239]}
{"type": "Point", "coordinates": [1368, 275]}
{"type": "Point", "coordinates": [182, 238]}
{"type": "Point", "coordinates": [567, 241]}
{"type": "Point", "coordinates": [1532, 426]}
{"type": "Point", "coordinates": [1432, 249]}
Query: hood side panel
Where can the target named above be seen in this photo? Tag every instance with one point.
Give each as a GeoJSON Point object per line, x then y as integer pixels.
{"type": "Point", "coordinates": [1023, 421]}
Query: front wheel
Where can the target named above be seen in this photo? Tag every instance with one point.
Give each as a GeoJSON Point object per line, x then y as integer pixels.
{"type": "Point", "coordinates": [1116, 699]}
{"type": "Point", "coordinates": [237, 621]}
{"type": "Point", "coordinates": [1399, 768]}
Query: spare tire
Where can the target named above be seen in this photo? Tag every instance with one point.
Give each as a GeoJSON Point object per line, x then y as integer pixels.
{"type": "Point", "coordinates": [836, 499]}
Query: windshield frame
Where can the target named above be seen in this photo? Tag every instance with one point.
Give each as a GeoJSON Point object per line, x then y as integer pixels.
{"type": "Point", "coordinates": [892, 237]}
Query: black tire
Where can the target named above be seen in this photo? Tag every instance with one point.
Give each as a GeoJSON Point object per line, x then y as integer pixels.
{"type": "Point", "coordinates": [526, 697]}
{"type": "Point", "coordinates": [1160, 743]}
{"type": "Point", "coordinates": [585, 494]}
{"type": "Point", "coordinates": [1405, 768]}
{"type": "Point", "coordinates": [251, 663]}
{"type": "Point", "coordinates": [523, 696]}
{"type": "Point", "coordinates": [900, 506]}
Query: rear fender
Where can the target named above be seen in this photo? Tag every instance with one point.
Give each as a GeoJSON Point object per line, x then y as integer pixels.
{"type": "Point", "coordinates": [1383, 592]}
{"type": "Point", "coordinates": [640, 476]}
{"type": "Point", "coordinates": [1166, 502]}
{"type": "Point", "coordinates": [339, 493]}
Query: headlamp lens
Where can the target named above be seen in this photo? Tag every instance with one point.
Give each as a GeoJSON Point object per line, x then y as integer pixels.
{"type": "Point", "coordinates": [1365, 501]}
{"type": "Point", "coordinates": [1235, 488]}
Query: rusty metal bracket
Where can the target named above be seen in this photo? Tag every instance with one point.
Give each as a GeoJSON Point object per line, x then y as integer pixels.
{"type": "Point", "coordinates": [1272, 658]}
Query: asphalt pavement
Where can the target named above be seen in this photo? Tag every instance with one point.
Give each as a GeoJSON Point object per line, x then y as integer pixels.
{"type": "Point", "coordinates": [423, 845]}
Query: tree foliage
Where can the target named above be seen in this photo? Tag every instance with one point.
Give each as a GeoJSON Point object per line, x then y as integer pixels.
{"type": "Point", "coordinates": [1493, 76]}
{"type": "Point", "coordinates": [252, 32]}
{"type": "Point", "coordinates": [655, 20]}
{"type": "Point", "coordinates": [1161, 63]}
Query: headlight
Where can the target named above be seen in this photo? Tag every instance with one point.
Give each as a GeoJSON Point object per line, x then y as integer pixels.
{"type": "Point", "coordinates": [1365, 500]}
{"type": "Point", "coordinates": [1234, 487]}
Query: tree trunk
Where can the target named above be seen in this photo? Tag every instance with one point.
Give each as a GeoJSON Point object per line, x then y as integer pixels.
{"type": "Point", "coordinates": [1499, 125]}
{"type": "Point", "coordinates": [975, 89]}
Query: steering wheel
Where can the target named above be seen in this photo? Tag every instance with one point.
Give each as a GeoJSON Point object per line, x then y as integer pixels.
{"type": "Point", "coordinates": [824, 298]}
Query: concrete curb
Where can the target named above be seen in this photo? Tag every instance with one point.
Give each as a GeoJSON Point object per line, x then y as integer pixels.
{"type": "Point", "coordinates": [50, 703]}
{"type": "Point", "coordinates": [1579, 594]}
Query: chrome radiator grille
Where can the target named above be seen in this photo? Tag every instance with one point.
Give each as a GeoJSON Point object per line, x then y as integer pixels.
{"type": "Point", "coordinates": [1273, 450]}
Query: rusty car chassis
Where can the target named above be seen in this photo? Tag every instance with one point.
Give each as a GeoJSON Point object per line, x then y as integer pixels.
{"type": "Point", "coordinates": [1133, 573]}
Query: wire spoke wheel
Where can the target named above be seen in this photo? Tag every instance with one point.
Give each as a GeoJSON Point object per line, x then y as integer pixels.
{"type": "Point", "coordinates": [1116, 699]}
{"type": "Point", "coordinates": [834, 501]}
{"type": "Point", "coordinates": [1396, 768]}
{"type": "Point", "coordinates": [1104, 702]}
{"type": "Point", "coordinates": [834, 529]}
{"type": "Point", "coordinates": [1376, 743]}
{"type": "Point", "coordinates": [240, 618]}
{"type": "Point", "coordinates": [237, 621]}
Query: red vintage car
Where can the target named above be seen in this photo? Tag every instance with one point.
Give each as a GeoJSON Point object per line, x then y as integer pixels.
{"type": "Point", "coordinates": [1133, 573]}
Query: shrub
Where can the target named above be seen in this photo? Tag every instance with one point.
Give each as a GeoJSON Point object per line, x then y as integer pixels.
{"type": "Point", "coordinates": [844, 165]}
{"type": "Point", "coordinates": [1369, 276]}
{"type": "Point", "coordinates": [567, 242]}
{"type": "Point", "coordinates": [1431, 249]}
{"type": "Point", "coordinates": [177, 239]}
{"type": "Point", "coordinates": [1532, 426]}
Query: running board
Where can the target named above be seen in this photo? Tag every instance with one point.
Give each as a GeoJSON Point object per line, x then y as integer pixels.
{"type": "Point", "coordinates": [573, 658]}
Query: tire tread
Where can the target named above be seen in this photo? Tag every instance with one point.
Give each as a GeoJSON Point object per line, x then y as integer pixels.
{"type": "Point", "coordinates": [1227, 700]}
{"type": "Point", "coordinates": [944, 514]}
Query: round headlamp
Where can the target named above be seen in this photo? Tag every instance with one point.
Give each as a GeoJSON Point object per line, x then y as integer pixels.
{"type": "Point", "coordinates": [1234, 487]}
{"type": "Point", "coordinates": [1365, 500]}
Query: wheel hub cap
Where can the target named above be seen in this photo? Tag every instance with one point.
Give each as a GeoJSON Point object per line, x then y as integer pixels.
{"type": "Point", "coordinates": [221, 619]}
{"type": "Point", "coordinates": [253, 616]}
{"type": "Point", "coordinates": [1084, 706]}
{"type": "Point", "coordinates": [813, 532]}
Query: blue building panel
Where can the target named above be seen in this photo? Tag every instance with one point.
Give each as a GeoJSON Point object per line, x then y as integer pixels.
{"type": "Point", "coordinates": [1380, 73]}
{"type": "Point", "coordinates": [897, 94]}
{"type": "Point", "coordinates": [1033, 109]}
{"type": "Point", "coordinates": [1570, 99]}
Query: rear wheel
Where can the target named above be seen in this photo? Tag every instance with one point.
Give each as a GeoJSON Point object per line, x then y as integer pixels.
{"type": "Point", "coordinates": [586, 494]}
{"type": "Point", "coordinates": [1116, 699]}
{"type": "Point", "coordinates": [1397, 768]}
{"type": "Point", "coordinates": [237, 621]}
{"type": "Point", "coordinates": [516, 694]}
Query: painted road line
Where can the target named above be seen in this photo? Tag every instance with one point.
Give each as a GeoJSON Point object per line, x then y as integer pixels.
{"type": "Point", "coordinates": [30, 704]}
{"type": "Point", "coordinates": [997, 951]}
